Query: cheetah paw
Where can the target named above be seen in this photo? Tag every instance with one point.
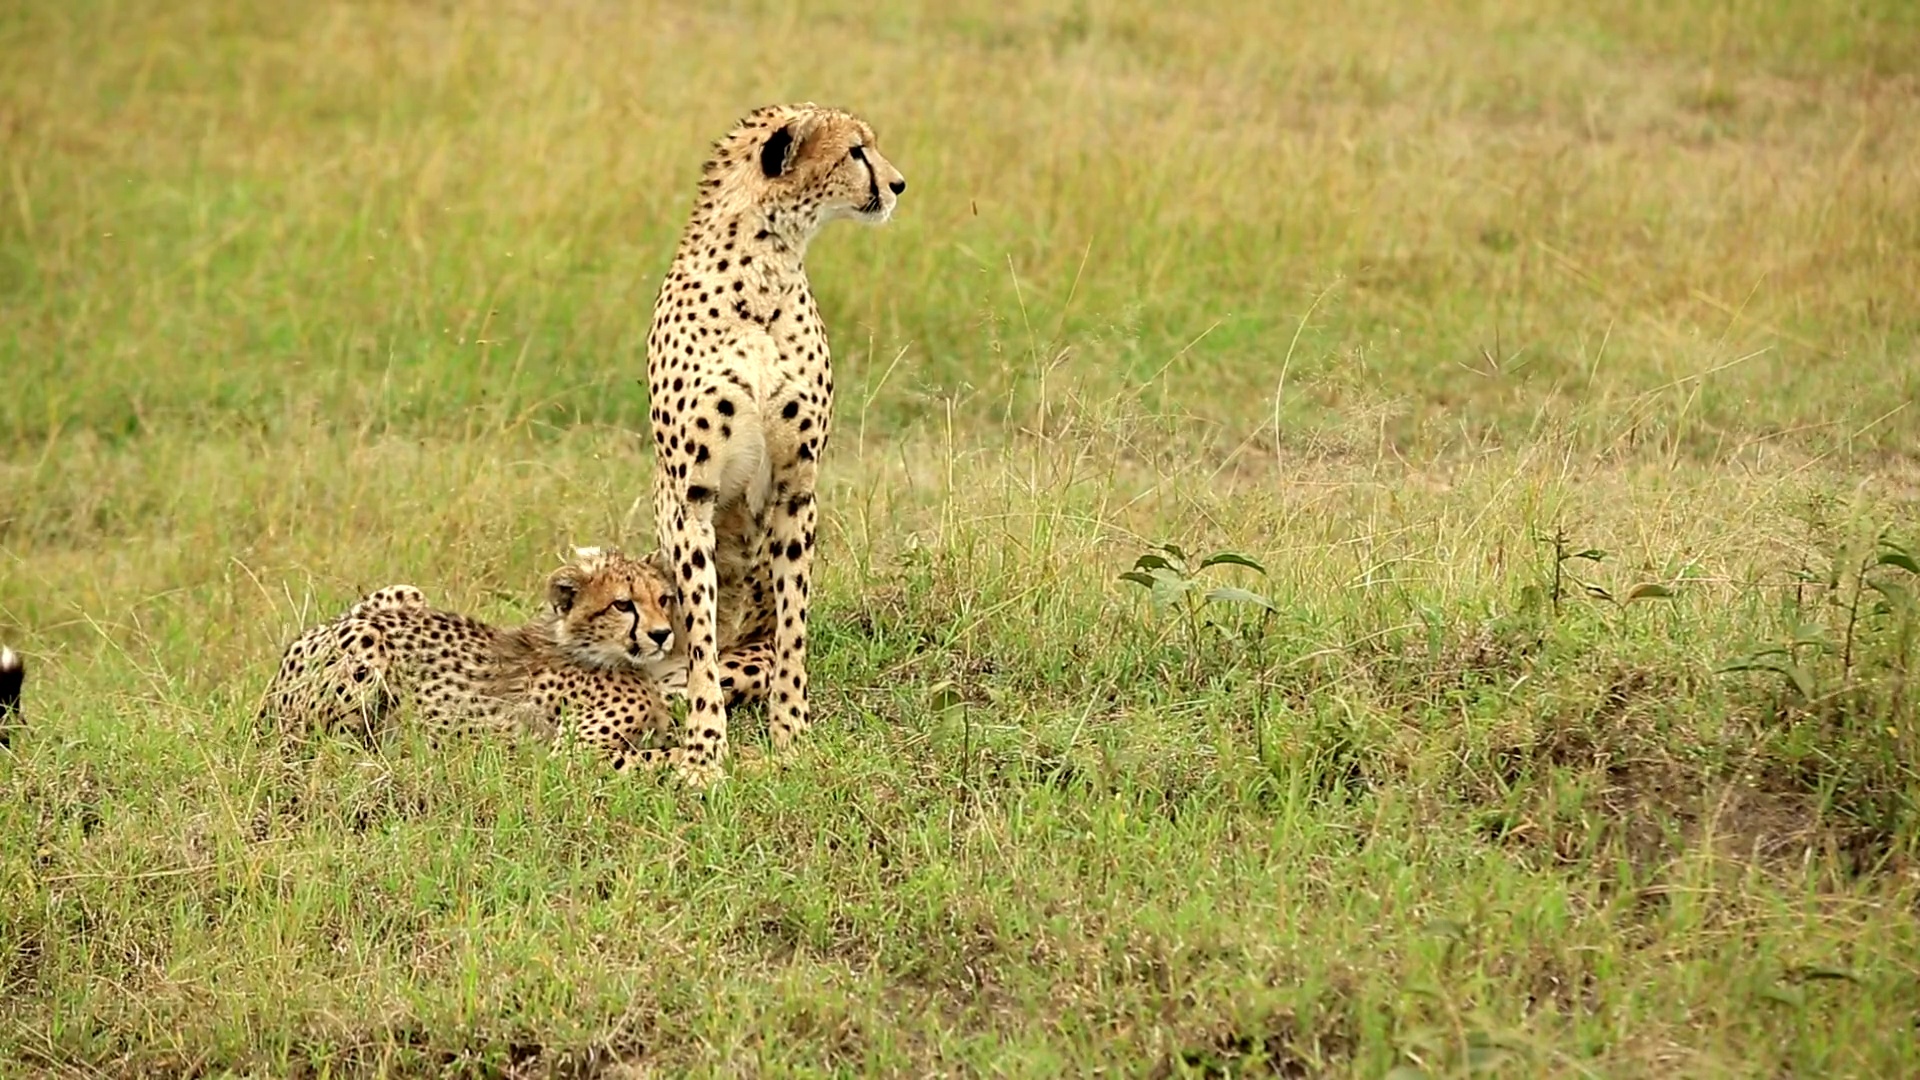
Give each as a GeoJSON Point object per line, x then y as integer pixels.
{"type": "Point", "coordinates": [750, 759]}
{"type": "Point", "coordinates": [700, 777]}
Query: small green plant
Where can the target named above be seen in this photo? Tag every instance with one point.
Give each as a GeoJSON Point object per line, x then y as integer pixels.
{"type": "Point", "coordinates": [1862, 602]}
{"type": "Point", "coordinates": [1562, 581]}
{"type": "Point", "coordinates": [1845, 660]}
{"type": "Point", "coordinates": [1174, 584]}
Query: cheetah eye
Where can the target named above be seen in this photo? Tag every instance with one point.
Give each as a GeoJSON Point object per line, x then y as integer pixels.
{"type": "Point", "coordinates": [623, 606]}
{"type": "Point", "coordinates": [859, 153]}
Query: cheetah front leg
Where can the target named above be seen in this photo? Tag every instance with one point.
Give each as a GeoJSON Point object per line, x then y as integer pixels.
{"type": "Point", "coordinates": [790, 536]}
{"type": "Point", "coordinates": [745, 673]}
{"type": "Point", "coordinates": [686, 536]}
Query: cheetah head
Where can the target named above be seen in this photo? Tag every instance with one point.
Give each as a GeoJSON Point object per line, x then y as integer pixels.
{"type": "Point", "coordinates": [814, 162]}
{"type": "Point", "coordinates": [610, 611]}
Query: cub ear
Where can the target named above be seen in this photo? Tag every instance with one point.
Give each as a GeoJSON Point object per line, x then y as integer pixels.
{"type": "Point", "coordinates": [563, 588]}
{"type": "Point", "coordinates": [787, 146]}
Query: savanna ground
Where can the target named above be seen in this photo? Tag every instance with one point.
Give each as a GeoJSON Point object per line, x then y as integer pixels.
{"type": "Point", "coordinates": [1557, 361]}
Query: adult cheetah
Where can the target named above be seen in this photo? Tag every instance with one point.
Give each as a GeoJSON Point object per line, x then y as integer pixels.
{"type": "Point", "coordinates": [582, 669]}
{"type": "Point", "coordinates": [742, 392]}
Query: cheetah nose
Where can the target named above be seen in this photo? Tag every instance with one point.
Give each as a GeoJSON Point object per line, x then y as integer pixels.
{"type": "Point", "coordinates": [898, 186]}
{"type": "Point", "coordinates": [660, 636]}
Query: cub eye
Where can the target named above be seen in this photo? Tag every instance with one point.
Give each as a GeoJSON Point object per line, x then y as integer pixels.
{"type": "Point", "coordinates": [623, 605]}
{"type": "Point", "coordinates": [859, 153]}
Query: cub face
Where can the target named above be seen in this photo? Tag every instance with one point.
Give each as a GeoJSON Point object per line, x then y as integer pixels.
{"type": "Point", "coordinates": [610, 611]}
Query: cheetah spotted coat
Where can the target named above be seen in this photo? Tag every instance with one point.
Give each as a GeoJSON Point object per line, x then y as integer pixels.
{"type": "Point", "coordinates": [741, 387]}
{"type": "Point", "coordinates": [583, 672]}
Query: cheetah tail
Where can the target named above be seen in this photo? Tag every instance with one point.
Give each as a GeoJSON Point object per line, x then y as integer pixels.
{"type": "Point", "coordinates": [12, 674]}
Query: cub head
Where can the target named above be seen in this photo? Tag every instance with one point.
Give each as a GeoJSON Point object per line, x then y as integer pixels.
{"type": "Point", "coordinates": [609, 610]}
{"type": "Point", "coordinates": [815, 162]}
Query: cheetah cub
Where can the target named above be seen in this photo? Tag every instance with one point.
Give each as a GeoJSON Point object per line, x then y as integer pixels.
{"type": "Point", "coordinates": [581, 670]}
{"type": "Point", "coordinates": [741, 385]}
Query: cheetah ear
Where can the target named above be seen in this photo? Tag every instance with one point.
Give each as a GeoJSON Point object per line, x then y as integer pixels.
{"type": "Point", "coordinates": [776, 152]}
{"type": "Point", "coordinates": [563, 588]}
{"type": "Point", "coordinates": [657, 560]}
{"type": "Point", "coordinates": [786, 146]}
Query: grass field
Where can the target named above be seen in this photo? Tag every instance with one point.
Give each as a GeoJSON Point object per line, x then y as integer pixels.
{"type": "Point", "coordinates": [1557, 362]}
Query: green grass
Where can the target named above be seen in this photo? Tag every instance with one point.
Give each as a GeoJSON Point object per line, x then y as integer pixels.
{"type": "Point", "coordinates": [1414, 304]}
